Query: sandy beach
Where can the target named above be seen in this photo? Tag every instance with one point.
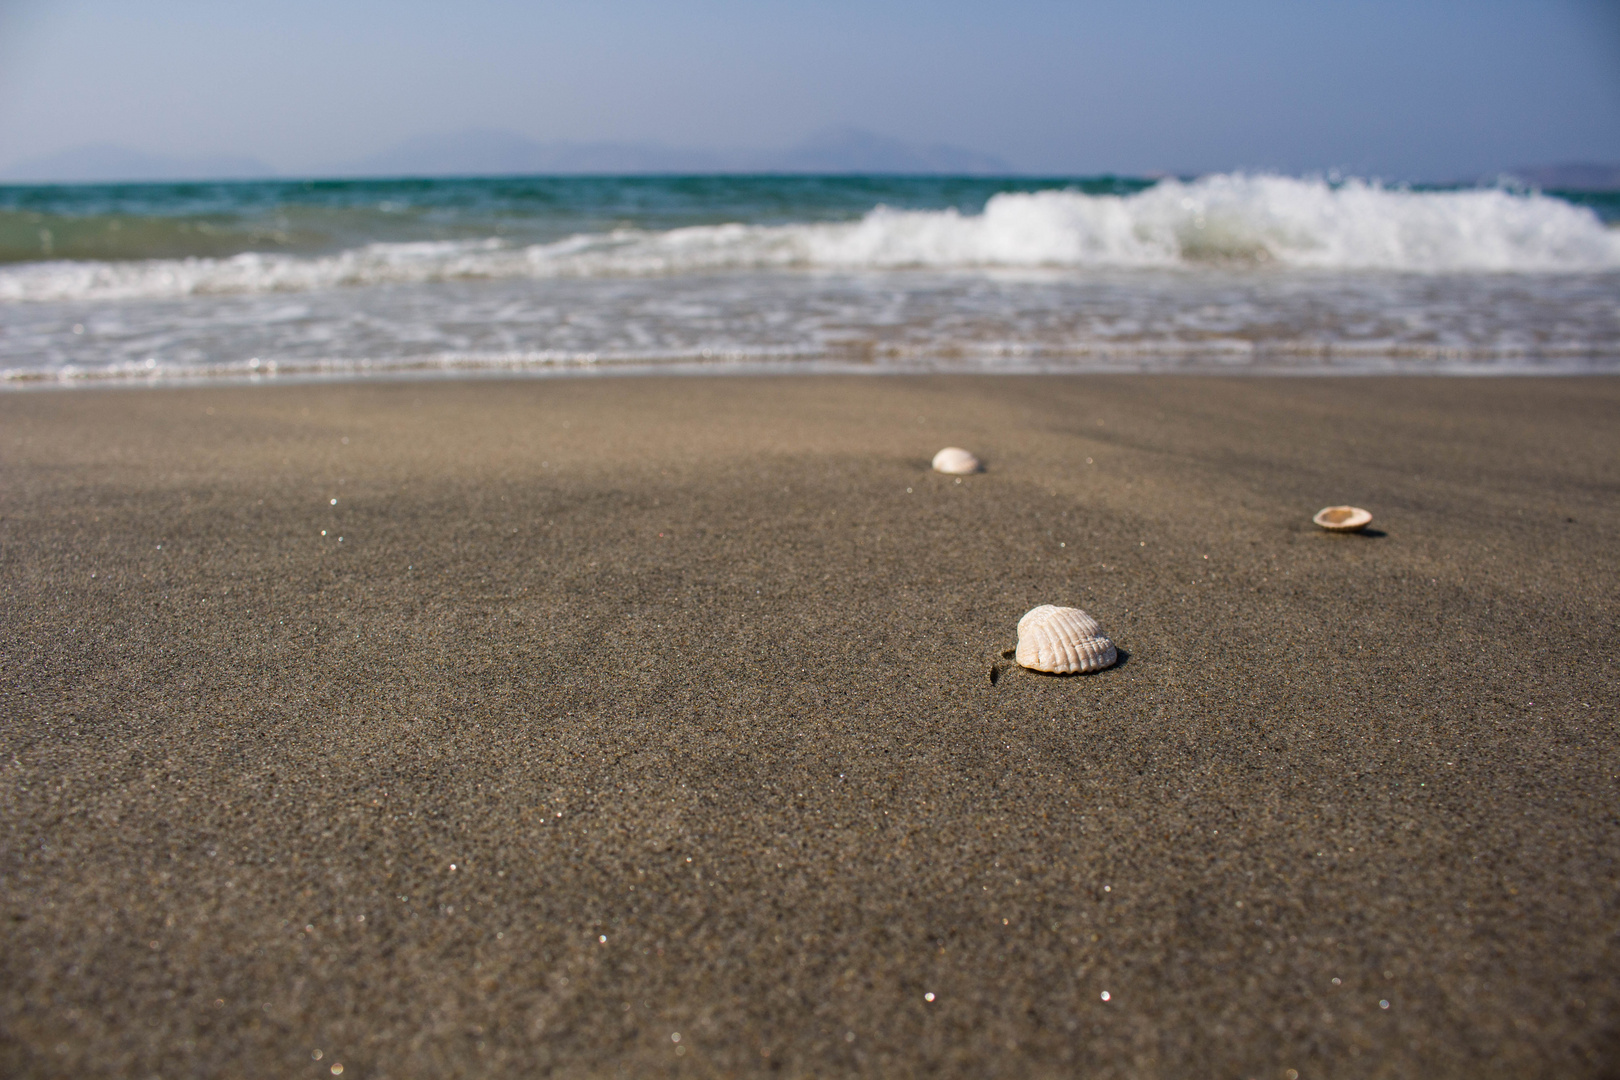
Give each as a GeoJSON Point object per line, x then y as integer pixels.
{"type": "Point", "coordinates": [644, 727]}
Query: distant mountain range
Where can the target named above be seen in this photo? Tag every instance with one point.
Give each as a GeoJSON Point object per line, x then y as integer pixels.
{"type": "Point", "coordinates": [481, 152]}
{"type": "Point", "coordinates": [487, 152]}
{"type": "Point", "coordinates": [492, 152]}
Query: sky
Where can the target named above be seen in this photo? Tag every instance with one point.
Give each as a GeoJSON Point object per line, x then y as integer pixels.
{"type": "Point", "coordinates": [1409, 90]}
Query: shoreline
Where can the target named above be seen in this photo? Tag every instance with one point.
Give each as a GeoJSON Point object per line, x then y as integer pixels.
{"type": "Point", "coordinates": [700, 667]}
{"type": "Point", "coordinates": [365, 375]}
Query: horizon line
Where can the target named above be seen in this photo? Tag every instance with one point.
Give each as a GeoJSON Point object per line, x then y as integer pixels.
{"type": "Point", "coordinates": [1505, 178]}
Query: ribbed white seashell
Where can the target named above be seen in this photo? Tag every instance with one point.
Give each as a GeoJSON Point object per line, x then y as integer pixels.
{"type": "Point", "coordinates": [954, 459]}
{"type": "Point", "coordinates": [1063, 640]}
{"type": "Point", "coordinates": [1342, 518]}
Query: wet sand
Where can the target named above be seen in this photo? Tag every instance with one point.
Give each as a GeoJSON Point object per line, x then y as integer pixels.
{"type": "Point", "coordinates": [644, 727]}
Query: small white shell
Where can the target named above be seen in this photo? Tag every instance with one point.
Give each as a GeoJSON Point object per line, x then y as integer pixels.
{"type": "Point", "coordinates": [954, 459]}
{"type": "Point", "coordinates": [1063, 640]}
{"type": "Point", "coordinates": [1342, 518]}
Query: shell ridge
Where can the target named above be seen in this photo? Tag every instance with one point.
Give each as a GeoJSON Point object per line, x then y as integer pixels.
{"type": "Point", "coordinates": [1063, 641]}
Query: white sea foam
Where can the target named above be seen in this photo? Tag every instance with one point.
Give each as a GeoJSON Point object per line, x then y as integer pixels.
{"type": "Point", "coordinates": [1215, 221]}
{"type": "Point", "coordinates": [1144, 319]}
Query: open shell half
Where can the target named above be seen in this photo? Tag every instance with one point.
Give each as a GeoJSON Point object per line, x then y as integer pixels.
{"type": "Point", "coordinates": [1342, 518]}
{"type": "Point", "coordinates": [1063, 640]}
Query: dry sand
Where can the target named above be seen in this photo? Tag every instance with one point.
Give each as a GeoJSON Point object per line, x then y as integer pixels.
{"type": "Point", "coordinates": [643, 727]}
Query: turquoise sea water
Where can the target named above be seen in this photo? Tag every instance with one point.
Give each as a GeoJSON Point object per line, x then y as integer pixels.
{"type": "Point", "coordinates": [348, 279]}
{"type": "Point", "coordinates": [126, 221]}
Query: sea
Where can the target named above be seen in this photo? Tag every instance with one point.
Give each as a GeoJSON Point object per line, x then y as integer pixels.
{"type": "Point", "coordinates": [299, 280]}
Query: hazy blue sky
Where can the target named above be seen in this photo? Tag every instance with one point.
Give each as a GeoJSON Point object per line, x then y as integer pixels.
{"type": "Point", "coordinates": [1408, 89]}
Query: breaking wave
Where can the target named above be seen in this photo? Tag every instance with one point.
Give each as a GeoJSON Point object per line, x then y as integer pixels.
{"type": "Point", "coordinates": [1221, 220]}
